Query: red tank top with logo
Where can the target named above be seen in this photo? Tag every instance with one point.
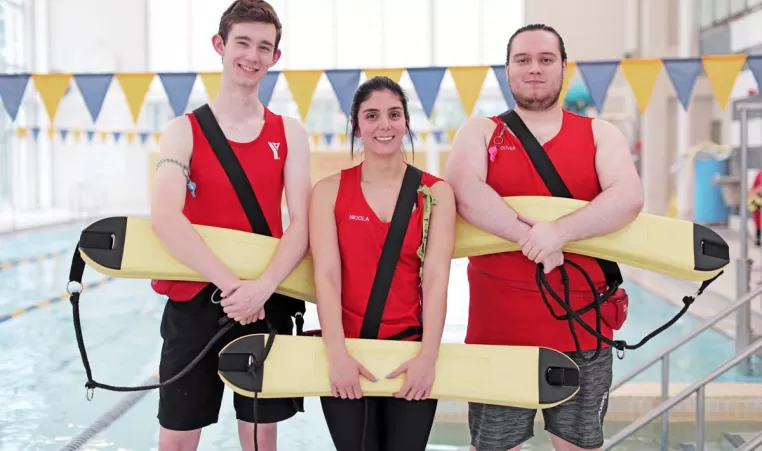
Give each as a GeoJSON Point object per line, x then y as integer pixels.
{"type": "Point", "coordinates": [361, 236]}
{"type": "Point", "coordinates": [216, 203]}
{"type": "Point", "coordinates": [505, 303]}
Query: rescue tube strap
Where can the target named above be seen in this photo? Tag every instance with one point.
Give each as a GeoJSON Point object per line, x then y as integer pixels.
{"type": "Point", "coordinates": [428, 202]}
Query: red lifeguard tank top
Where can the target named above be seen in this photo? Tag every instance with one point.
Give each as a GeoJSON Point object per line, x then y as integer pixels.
{"type": "Point", "coordinates": [216, 203]}
{"type": "Point", "coordinates": [506, 306]}
{"type": "Point", "coordinates": [361, 236]}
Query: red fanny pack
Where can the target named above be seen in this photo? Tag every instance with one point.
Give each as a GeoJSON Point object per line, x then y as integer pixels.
{"type": "Point", "coordinates": [614, 309]}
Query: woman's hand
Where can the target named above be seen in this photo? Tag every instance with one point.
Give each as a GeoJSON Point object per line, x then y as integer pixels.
{"type": "Point", "coordinates": [345, 374]}
{"type": "Point", "coordinates": [419, 378]}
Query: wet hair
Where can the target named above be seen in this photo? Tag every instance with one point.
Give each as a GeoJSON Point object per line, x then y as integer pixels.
{"type": "Point", "coordinates": [378, 83]}
{"type": "Point", "coordinates": [535, 27]}
{"type": "Point", "coordinates": [250, 11]}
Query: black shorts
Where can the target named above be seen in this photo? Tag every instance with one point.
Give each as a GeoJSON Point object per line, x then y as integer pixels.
{"type": "Point", "coordinates": [194, 400]}
{"type": "Point", "coordinates": [388, 424]}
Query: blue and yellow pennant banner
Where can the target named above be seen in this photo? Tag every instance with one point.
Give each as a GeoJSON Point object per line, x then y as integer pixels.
{"type": "Point", "coordinates": [640, 73]}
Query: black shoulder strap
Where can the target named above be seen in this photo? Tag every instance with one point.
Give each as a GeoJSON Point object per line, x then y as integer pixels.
{"type": "Point", "coordinates": [552, 179]}
{"type": "Point", "coordinates": [391, 252]}
{"type": "Point", "coordinates": [233, 169]}
{"type": "Point", "coordinates": [219, 143]}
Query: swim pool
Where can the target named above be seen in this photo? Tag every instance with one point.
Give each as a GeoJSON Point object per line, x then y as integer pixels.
{"type": "Point", "coordinates": [42, 378]}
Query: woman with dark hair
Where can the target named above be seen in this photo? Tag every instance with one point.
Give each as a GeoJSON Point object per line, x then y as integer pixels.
{"type": "Point", "coordinates": [355, 217]}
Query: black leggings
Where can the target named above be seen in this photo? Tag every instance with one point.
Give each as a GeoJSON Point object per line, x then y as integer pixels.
{"type": "Point", "coordinates": [387, 423]}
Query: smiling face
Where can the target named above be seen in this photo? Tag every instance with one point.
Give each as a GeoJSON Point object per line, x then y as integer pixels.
{"type": "Point", "coordinates": [248, 53]}
{"type": "Point", "coordinates": [535, 70]}
{"type": "Point", "coordinates": [381, 122]}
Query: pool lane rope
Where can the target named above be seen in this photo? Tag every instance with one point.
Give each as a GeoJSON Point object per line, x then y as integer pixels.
{"type": "Point", "coordinates": [16, 262]}
{"type": "Point", "coordinates": [50, 301]}
{"type": "Point", "coordinates": [109, 417]}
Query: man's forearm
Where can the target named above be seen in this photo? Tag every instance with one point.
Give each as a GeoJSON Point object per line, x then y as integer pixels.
{"type": "Point", "coordinates": [610, 211]}
{"type": "Point", "coordinates": [290, 252]}
{"type": "Point", "coordinates": [481, 206]}
{"type": "Point", "coordinates": [181, 239]}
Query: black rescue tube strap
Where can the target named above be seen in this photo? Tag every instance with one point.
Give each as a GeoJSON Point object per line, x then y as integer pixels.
{"type": "Point", "coordinates": [75, 277]}
{"type": "Point", "coordinates": [390, 253]}
{"type": "Point", "coordinates": [227, 158]}
{"type": "Point", "coordinates": [611, 272]}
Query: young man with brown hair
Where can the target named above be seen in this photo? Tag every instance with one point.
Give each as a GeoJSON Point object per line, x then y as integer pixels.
{"type": "Point", "coordinates": [489, 161]}
{"type": "Point", "coordinates": [273, 152]}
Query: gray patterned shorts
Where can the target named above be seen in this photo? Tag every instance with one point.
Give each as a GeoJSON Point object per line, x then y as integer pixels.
{"type": "Point", "coordinates": [579, 420]}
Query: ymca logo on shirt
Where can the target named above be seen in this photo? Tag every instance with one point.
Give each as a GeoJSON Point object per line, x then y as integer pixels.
{"type": "Point", "coordinates": [274, 147]}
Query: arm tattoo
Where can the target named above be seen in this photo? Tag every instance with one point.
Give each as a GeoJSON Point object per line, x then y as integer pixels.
{"type": "Point", "coordinates": [186, 171]}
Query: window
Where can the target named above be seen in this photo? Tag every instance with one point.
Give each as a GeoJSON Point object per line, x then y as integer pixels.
{"type": "Point", "coordinates": [736, 6]}
{"type": "Point", "coordinates": [705, 13]}
{"type": "Point", "coordinates": [721, 10]}
{"type": "Point", "coordinates": [13, 39]}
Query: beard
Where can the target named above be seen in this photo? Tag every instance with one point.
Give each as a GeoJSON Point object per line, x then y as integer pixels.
{"type": "Point", "coordinates": [537, 103]}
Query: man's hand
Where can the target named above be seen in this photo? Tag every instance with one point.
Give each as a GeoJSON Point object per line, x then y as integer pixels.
{"type": "Point", "coordinates": [246, 302]}
{"type": "Point", "coordinates": [543, 243]}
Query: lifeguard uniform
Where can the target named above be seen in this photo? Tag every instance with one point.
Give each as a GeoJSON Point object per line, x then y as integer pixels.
{"type": "Point", "coordinates": [190, 318]}
{"type": "Point", "coordinates": [506, 307]}
{"type": "Point", "coordinates": [361, 235]}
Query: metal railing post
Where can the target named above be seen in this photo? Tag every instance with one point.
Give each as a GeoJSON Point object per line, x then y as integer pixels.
{"type": "Point", "coordinates": [677, 399]}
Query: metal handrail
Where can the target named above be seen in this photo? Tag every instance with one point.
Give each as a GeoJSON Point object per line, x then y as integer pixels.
{"type": "Point", "coordinates": [663, 357]}
{"type": "Point", "coordinates": [698, 388]}
{"type": "Point", "coordinates": [706, 325]}
{"type": "Point", "coordinates": [752, 444]}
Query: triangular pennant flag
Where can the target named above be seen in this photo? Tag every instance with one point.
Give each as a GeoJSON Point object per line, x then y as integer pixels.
{"type": "Point", "coordinates": [451, 134]}
{"type": "Point", "coordinates": [438, 136]}
{"type": "Point", "coordinates": [90, 135]}
{"type": "Point", "coordinates": [130, 137]}
{"type": "Point", "coordinates": [93, 88]}
{"type": "Point", "coordinates": [344, 83]}
{"type": "Point", "coordinates": [178, 87]}
{"type": "Point", "coordinates": [12, 88]}
{"type": "Point", "coordinates": [394, 74]}
{"type": "Point", "coordinates": [343, 138]}
{"type": "Point", "coordinates": [722, 71]}
{"type": "Point", "coordinates": [104, 136]}
{"type": "Point", "coordinates": [427, 81]}
{"type": "Point", "coordinates": [302, 84]}
{"type": "Point", "coordinates": [51, 133]}
{"type": "Point", "coordinates": [597, 76]}
{"type": "Point", "coordinates": [144, 137]}
{"type": "Point", "coordinates": [755, 66]}
{"type": "Point", "coordinates": [468, 83]}
{"type": "Point", "coordinates": [641, 74]}
{"type": "Point", "coordinates": [683, 73]}
{"type": "Point", "coordinates": [116, 136]}
{"type": "Point", "coordinates": [64, 132]}
{"type": "Point", "coordinates": [156, 136]}
{"type": "Point", "coordinates": [328, 137]}
{"type": "Point", "coordinates": [505, 88]}
{"type": "Point", "coordinates": [22, 132]}
{"type": "Point", "coordinates": [135, 87]}
{"type": "Point", "coordinates": [267, 86]}
{"type": "Point", "coordinates": [571, 68]}
{"type": "Point", "coordinates": [424, 135]}
{"type": "Point", "coordinates": [76, 134]}
{"type": "Point", "coordinates": [52, 88]}
{"type": "Point", "coordinates": [211, 82]}
{"type": "Point", "coordinates": [35, 132]}
{"type": "Point", "coordinates": [315, 138]}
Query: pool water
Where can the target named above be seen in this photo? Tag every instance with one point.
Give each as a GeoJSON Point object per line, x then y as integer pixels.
{"type": "Point", "coordinates": [42, 377]}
